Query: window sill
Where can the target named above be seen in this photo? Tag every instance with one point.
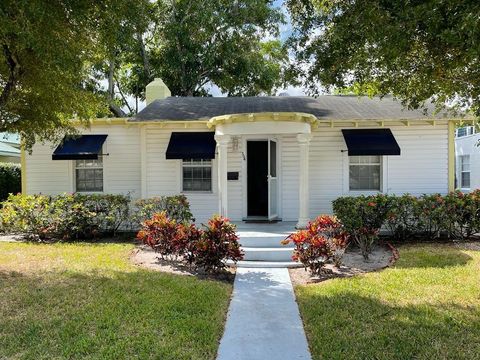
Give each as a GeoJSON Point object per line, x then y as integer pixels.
{"type": "Point", "coordinates": [365, 192]}
{"type": "Point", "coordinates": [89, 192]}
{"type": "Point", "coordinates": [197, 192]}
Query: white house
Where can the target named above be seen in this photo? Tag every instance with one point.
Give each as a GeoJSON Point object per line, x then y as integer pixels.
{"type": "Point", "coordinates": [467, 158]}
{"type": "Point", "coordinates": [283, 158]}
{"type": "Point", "coordinates": [9, 148]}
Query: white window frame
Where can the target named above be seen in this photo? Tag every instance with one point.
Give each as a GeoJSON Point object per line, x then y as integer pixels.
{"type": "Point", "coordinates": [75, 168]}
{"type": "Point", "coordinates": [462, 171]}
{"type": "Point", "coordinates": [212, 184]}
{"type": "Point", "coordinates": [383, 177]}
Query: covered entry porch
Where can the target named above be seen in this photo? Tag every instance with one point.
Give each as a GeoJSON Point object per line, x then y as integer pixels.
{"type": "Point", "coordinates": [259, 137]}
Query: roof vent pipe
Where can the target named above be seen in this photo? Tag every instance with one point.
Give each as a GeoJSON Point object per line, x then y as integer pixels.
{"type": "Point", "coordinates": [156, 90]}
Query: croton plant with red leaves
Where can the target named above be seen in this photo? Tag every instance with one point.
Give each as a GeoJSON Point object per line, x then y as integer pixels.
{"type": "Point", "coordinates": [208, 248]}
{"type": "Point", "coordinates": [218, 242]}
{"type": "Point", "coordinates": [323, 241]}
{"type": "Point", "coordinates": [164, 235]}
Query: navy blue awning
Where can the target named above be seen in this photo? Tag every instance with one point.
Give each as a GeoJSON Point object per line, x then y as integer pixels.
{"type": "Point", "coordinates": [84, 147]}
{"type": "Point", "coordinates": [191, 145]}
{"type": "Point", "coordinates": [371, 142]}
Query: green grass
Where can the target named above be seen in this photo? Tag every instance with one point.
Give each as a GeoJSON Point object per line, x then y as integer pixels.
{"type": "Point", "coordinates": [426, 307]}
{"type": "Point", "coordinates": [87, 301]}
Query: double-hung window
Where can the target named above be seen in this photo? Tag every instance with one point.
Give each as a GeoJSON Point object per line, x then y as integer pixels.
{"type": "Point", "coordinates": [465, 171]}
{"type": "Point", "coordinates": [197, 175]}
{"type": "Point", "coordinates": [89, 175]}
{"type": "Point", "coordinates": [365, 173]}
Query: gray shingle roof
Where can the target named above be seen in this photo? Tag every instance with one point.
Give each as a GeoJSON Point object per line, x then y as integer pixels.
{"type": "Point", "coordinates": [331, 107]}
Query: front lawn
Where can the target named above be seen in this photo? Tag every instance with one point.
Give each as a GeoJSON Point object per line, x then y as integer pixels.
{"type": "Point", "coordinates": [426, 307]}
{"type": "Point", "coordinates": [89, 301]}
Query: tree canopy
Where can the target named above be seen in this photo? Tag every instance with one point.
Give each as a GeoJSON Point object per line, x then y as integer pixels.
{"type": "Point", "coordinates": [43, 83]}
{"type": "Point", "coordinates": [67, 60]}
{"type": "Point", "coordinates": [199, 43]}
{"type": "Point", "coordinates": [415, 50]}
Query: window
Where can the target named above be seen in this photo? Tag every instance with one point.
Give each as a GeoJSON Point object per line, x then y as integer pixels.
{"type": "Point", "coordinates": [365, 172]}
{"type": "Point", "coordinates": [89, 175]}
{"type": "Point", "coordinates": [465, 131]}
{"type": "Point", "coordinates": [197, 175]}
{"type": "Point", "coordinates": [465, 171]}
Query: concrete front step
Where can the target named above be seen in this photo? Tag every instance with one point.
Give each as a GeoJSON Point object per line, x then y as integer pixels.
{"type": "Point", "coordinates": [273, 241]}
{"type": "Point", "coordinates": [265, 264]}
{"type": "Point", "coordinates": [267, 254]}
{"type": "Point", "coordinates": [262, 244]}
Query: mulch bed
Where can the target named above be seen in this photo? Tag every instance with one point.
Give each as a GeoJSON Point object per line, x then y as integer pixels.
{"type": "Point", "coordinates": [145, 257]}
{"type": "Point", "coordinates": [353, 264]}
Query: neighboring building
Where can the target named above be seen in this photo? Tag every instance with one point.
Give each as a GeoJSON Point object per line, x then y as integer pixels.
{"type": "Point", "coordinates": [9, 148]}
{"type": "Point", "coordinates": [253, 157]}
{"type": "Point", "coordinates": [467, 158]}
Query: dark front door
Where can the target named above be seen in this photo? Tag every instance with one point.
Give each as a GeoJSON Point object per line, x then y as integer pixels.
{"type": "Point", "coordinates": [257, 178]}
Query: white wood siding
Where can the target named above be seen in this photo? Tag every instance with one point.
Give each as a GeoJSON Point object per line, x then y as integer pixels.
{"type": "Point", "coordinates": [421, 168]}
{"type": "Point", "coordinates": [164, 177]}
{"type": "Point", "coordinates": [467, 145]}
{"type": "Point", "coordinates": [289, 167]}
{"type": "Point", "coordinates": [121, 167]}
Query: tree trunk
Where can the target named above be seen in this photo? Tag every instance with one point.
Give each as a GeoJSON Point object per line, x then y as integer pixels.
{"type": "Point", "coordinates": [111, 85]}
{"type": "Point", "coordinates": [114, 108]}
{"type": "Point", "coordinates": [146, 63]}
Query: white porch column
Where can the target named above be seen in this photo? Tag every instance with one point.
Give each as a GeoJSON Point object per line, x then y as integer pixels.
{"type": "Point", "coordinates": [222, 146]}
{"type": "Point", "coordinates": [303, 214]}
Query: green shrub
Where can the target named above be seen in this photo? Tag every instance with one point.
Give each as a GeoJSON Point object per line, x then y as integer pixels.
{"type": "Point", "coordinates": [66, 216]}
{"type": "Point", "coordinates": [462, 214]}
{"type": "Point", "coordinates": [111, 211]}
{"type": "Point", "coordinates": [362, 217]}
{"type": "Point", "coordinates": [403, 216]}
{"type": "Point", "coordinates": [176, 207]}
{"type": "Point", "coordinates": [431, 216]}
{"type": "Point", "coordinates": [415, 217]}
{"type": "Point", "coordinates": [29, 214]}
{"type": "Point", "coordinates": [455, 215]}
{"type": "Point", "coordinates": [10, 179]}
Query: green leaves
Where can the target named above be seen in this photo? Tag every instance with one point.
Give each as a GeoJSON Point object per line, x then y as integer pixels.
{"type": "Point", "coordinates": [217, 43]}
{"type": "Point", "coordinates": [413, 50]}
{"type": "Point", "coordinates": [42, 68]}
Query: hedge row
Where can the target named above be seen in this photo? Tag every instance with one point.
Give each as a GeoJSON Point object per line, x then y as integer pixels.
{"type": "Point", "coordinates": [455, 216]}
{"type": "Point", "coordinates": [10, 179]}
{"type": "Point", "coordinates": [83, 216]}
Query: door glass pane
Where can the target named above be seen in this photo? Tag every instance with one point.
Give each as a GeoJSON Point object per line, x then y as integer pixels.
{"type": "Point", "coordinates": [273, 159]}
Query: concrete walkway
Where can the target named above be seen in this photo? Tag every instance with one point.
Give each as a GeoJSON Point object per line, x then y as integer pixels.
{"type": "Point", "coordinates": [263, 319]}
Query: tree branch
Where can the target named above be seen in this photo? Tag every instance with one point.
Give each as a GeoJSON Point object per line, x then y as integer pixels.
{"type": "Point", "coordinates": [116, 110]}
{"type": "Point", "coordinates": [123, 96]}
{"type": "Point", "coordinates": [15, 72]}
